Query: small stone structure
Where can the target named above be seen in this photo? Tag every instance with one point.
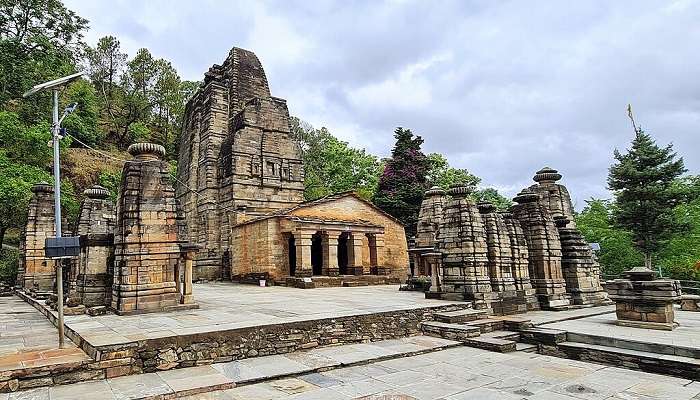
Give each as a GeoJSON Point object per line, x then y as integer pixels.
{"type": "Point", "coordinates": [579, 266]}
{"type": "Point", "coordinates": [544, 249]}
{"type": "Point", "coordinates": [36, 272]}
{"type": "Point", "coordinates": [462, 241]}
{"type": "Point", "coordinates": [643, 301]}
{"type": "Point", "coordinates": [690, 302]}
{"type": "Point", "coordinates": [92, 280]}
{"type": "Point", "coordinates": [147, 236]}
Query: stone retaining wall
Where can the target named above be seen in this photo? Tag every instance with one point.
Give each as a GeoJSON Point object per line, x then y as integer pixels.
{"type": "Point", "coordinates": [151, 355]}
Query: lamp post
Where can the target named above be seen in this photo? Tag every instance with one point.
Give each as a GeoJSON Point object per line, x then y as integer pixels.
{"type": "Point", "coordinates": [55, 85]}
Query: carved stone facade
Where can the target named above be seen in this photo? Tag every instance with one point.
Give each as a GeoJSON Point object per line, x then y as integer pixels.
{"type": "Point", "coordinates": [94, 269]}
{"type": "Point", "coordinates": [36, 272]}
{"type": "Point", "coordinates": [429, 219]}
{"type": "Point", "coordinates": [237, 159]}
{"type": "Point", "coordinates": [553, 195]}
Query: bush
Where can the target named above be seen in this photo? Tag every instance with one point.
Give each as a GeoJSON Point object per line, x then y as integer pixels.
{"type": "Point", "coordinates": [9, 264]}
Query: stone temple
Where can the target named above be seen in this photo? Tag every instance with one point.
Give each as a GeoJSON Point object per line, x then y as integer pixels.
{"type": "Point", "coordinates": [241, 186]}
{"type": "Point", "coordinates": [528, 258]}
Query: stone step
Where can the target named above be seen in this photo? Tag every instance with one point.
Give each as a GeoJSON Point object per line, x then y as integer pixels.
{"type": "Point", "coordinates": [487, 324]}
{"type": "Point", "coordinates": [544, 336]}
{"type": "Point", "coordinates": [458, 332]}
{"type": "Point", "coordinates": [682, 367]}
{"type": "Point", "coordinates": [354, 283]}
{"type": "Point", "coordinates": [505, 335]}
{"type": "Point", "coordinates": [491, 344]}
{"type": "Point", "coordinates": [630, 344]}
{"type": "Point", "coordinates": [460, 316]}
{"type": "Point", "coordinates": [526, 347]}
{"type": "Point", "coordinates": [514, 323]}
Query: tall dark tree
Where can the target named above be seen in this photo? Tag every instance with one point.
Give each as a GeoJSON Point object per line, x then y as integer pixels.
{"type": "Point", "coordinates": [403, 181]}
{"type": "Point", "coordinates": [643, 183]}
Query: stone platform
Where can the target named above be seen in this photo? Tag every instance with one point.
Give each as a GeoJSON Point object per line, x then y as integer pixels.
{"type": "Point", "coordinates": [241, 321]}
{"type": "Point", "coordinates": [598, 338]}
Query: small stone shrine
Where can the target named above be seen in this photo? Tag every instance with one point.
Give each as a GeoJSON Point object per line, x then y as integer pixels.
{"type": "Point", "coordinates": [462, 240]}
{"type": "Point", "coordinates": [553, 195]}
{"type": "Point", "coordinates": [36, 272]}
{"type": "Point", "coordinates": [147, 235]}
{"type": "Point", "coordinates": [579, 266]}
{"type": "Point", "coordinates": [429, 219]}
{"type": "Point", "coordinates": [92, 280]}
{"type": "Point", "coordinates": [643, 301]}
{"type": "Point", "coordinates": [544, 249]}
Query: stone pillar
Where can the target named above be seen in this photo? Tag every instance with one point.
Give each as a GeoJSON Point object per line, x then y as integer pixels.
{"type": "Point", "coordinates": [580, 268]}
{"type": "Point", "coordinates": [302, 241]}
{"type": "Point", "coordinates": [462, 240]}
{"type": "Point", "coordinates": [189, 252]}
{"type": "Point", "coordinates": [644, 302]}
{"type": "Point", "coordinates": [329, 243]}
{"type": "Point", "coordinates": [434, 261]}
{"type": "Point", "coordinates": [36, 273]}
{"type": "Point", "coordinates": [519, 251]}
{"type": "Point", "coordinates": [355, 255]}
{"type": "Point", "coordinates": [376, 255]}
{"type": "Point", "coordinates": [146, 236]}
{"type": "Point", "coordinates": [553, 195]}
{"type": "Point", "coordinates": [544, 250]}
{"type": "Point", "coordinates": [95, 268]}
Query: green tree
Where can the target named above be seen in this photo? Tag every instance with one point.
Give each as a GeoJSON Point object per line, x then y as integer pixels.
{"type": "Point", "coordinates": [443, 175]}
{"type": "Point", "coordinates": [491, 195]}
{"type": "Point", "coordinates": [105, 64]}
{"type": "Point", "coordinates": [331, 165]}
{"type": "Point", "coordinates": [642, 182]}
{"type": "Point", "coordinates": [404, 179]}
{"type": "Point", "coordinates": [39, 40]}
{"type": "Point", "coordinates": [617, 253]}
{"type": "Point", "coordinates": [83, 122]}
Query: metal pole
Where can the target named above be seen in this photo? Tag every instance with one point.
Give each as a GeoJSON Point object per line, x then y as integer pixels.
{"type": "Point", "coordinates": [57, 215]}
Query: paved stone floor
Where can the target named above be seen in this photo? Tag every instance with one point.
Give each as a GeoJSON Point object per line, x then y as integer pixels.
{"type": "Point", "coordinates": [467, 373]}
{"type": "Point", "coordinates": [228, 305]}
{"type": "Point", "coordinates": [28, 339]}
{"type": "Point", "coordinates": [686, 335]}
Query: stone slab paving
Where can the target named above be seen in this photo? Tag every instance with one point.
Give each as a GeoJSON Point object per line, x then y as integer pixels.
{"type": "Point", "coordinates": [185, 381]}
{"type": "Point", "coordinates": [226, 305]}
{"type": "Point", "coordinates": [686, 335]}
{"type": "Point", "coordinates": [28, 339]}
{"type": "Point", "coordinates": [547, 317]}
{"type": "Point", "coordinates": [463, 373]}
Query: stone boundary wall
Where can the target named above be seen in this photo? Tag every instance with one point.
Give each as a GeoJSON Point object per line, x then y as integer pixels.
{"type": "Point", "coordinates": [219, 346]}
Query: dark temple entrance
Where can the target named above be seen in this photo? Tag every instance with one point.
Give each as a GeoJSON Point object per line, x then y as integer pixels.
{"type": "Point", "coordinates": [316, 254]}
{"type": "Point", "coordinates": [343, 253]}
{"type": "Point", "coordinates": [292, 256]}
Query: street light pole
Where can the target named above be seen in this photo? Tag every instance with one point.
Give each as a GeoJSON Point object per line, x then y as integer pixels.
{"type": "Point", "coordinates": [56, 130]}
{"type": "Point", "coordinates": [55, 85]}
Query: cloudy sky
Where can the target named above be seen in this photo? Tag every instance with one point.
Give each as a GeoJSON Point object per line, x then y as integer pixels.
{"type": "Point", "coordinates": [501, 88]}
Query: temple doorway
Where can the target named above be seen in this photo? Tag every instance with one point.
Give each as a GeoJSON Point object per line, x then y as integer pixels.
{"type": "Point", "coordinates": [317, 254]}
{"type": "Point", "coordinates": [343, 253]}
{"type": "Point", "coordinates": [292, 255]}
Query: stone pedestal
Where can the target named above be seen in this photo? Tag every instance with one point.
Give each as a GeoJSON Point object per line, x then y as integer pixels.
{"type": "Point", "coordinates": [579, 266]}
{"type": "Point", "coordinates": [95, 266]}
{"type": "Point", "coordinates": [544, 250]}
{"type": "Point", "coordinates": [36, 272]}
{"type": "Point", "coordinates": [146, 236]}
{"type": "Point", "coordinates": [644, 302]}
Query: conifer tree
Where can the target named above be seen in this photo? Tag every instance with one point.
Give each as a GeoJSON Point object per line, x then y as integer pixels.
{"type": "Point", "coordinates": [642, 181]}
{"type": "Point", "coordinates": [403, 181]}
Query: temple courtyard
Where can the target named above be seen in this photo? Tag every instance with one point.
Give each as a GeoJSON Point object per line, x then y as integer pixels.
{"type": "Point", "coordinates": [251, 342]}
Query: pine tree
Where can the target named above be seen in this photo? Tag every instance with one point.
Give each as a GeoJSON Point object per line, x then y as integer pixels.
{"type": "Point", "coordinates": [403, 181]}
{"type": "Point", "coordinates": [642, 181]}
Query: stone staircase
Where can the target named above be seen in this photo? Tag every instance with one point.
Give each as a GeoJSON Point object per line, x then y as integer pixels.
{"type": "Point", "coordinates": [475, 328]}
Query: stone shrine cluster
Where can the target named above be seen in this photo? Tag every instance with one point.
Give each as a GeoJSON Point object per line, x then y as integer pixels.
{"type": "Point", "coordinates": [527, 258]}
{"type": "Point", "coordinates": [132, 257]}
